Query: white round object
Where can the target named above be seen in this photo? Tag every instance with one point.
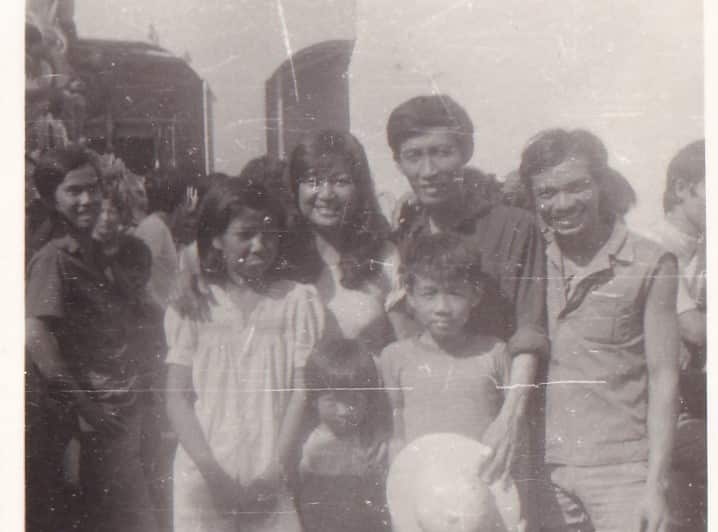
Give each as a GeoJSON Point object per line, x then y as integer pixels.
{"type": "Point", "coordinates": [434, 486]}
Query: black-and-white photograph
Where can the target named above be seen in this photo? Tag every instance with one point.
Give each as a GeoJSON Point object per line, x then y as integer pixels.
{"type": "Point", "coordinates": [364, 266]}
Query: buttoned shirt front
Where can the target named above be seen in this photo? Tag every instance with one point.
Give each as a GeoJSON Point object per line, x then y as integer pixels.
{"type": "Point", "coordinates": [597, 389]}
{"type": "Point", "coordinates": [71, 288]}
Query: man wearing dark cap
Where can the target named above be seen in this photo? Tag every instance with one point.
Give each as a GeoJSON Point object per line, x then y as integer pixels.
{"type": "Point", "coordinates": [432, 140]}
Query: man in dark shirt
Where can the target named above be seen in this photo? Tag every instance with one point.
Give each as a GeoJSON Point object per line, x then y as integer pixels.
{"type": "Point", "coordinates": [77, 343]}
{"type": "Point", "coordinates": [432, 140]}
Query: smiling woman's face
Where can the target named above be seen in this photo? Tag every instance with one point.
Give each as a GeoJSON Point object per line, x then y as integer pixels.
{"type": "Point", "coordinates": [327, 193]}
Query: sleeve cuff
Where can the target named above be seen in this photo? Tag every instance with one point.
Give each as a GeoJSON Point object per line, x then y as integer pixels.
{"type": "Point", "coordinates": [528, 340]}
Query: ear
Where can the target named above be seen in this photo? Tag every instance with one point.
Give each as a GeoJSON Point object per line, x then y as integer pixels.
{"type": "Point", "coordinates": [217, 243]}
{"type": "Point", "coordinates": [477, 294]}
{"type": "Point", "coordinates": [681, 189]}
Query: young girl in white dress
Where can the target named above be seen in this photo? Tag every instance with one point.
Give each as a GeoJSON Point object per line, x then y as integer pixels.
{"type": "Point", "coordinates": [235, 394]}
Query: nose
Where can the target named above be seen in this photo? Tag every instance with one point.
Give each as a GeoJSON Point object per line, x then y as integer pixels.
{"type": "Point", "coordinates": [343, 409]}
{"type": "Point", "coordinates": [442, 304]}
{"type": "Point", "coordinates": [258, 243]}
{"type": "Point", "coordinates": [325, 189]}
{"type": "Point", "coordinates": [565, 201]}
{"type": "Point", "coordinates": [85, 197]}
{"type": "Point", "coordinates": [426, 167]}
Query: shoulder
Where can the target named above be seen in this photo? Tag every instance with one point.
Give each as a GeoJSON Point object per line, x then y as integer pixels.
{"type": "Point", "coordinates": [293, 291]}
{"type": "Point", "coordinates": [398, 350]}
{"type": "Point", "coordinates": [52, 252]}
{"type": "Point", "coordinates": [488, 344]}
{"type": "Point", "coordinates": [506, 215]}
{"type": "Point", "coordinates": [645, 250]}
{"type": "Point", "coordinates": [151, 225]}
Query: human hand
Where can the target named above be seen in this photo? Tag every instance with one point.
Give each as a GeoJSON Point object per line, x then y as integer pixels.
{"type": "Point", "coordinates": [225, 491]}
{"type": "Point", "coordinates": [191, 199]}
{"type": "Point", "coordinates": [106, 421]}
{"type": "Point", "coordinates": [654, 515]}
{"type": "Point", "coordinates": [261, 494]}
{"type": "Point", "coordinates": [190, 299]}
{"type": "Point", "coordinates": [501, 437]}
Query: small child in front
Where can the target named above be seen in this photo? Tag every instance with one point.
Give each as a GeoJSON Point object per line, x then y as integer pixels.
{"type": "Point", "coordinates": [343, 465]}
{"type": "Point", "coordinates": [446, 378]}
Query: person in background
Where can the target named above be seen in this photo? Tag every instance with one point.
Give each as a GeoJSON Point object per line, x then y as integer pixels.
{"type": "Point", "coordinates": [682, 231]}
{"type": "Point", "coordinates": [77, 342]}
{"type": "Point", "coordinates": [165, 194]}
{"type": "Point", "coordinates": [188, 255]}
{"type": "Point", "coordinates": [431, 138]}
{"type": "Point", "coordinates": [235, 394]}
{"type": "Point", "coordinates": [612, 385]}
{"type": "Point", "coordinates": [343, 463]}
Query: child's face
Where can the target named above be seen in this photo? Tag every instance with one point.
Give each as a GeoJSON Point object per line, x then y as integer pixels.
{"type": "Point", "coordinates": [78, 198]}
{"type": "Point", "coordinates": [442, 308]}
{"type": "Point", "coordinates": [342, 410]}
{"type": "Point", "coordinates": [108, 223]}
{"type": "Point", "coordinates": [249, 245]}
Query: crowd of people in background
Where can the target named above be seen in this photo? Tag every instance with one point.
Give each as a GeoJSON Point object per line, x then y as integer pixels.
{"type": "Point", "coordinates": [257, 352]}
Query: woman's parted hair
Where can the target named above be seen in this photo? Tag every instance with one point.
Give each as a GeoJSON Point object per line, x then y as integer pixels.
{"type": "Point", "coordinates": [364, 231]}
{"type": "Point", "coordinates": [421, 113]}
{"type": "Point", "coordinates": [224, 202]}
{"type": "Point", "coordinates": [551, 147]}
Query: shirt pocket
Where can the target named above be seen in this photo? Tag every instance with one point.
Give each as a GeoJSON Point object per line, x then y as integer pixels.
{"type": "Point", "coordinates": [609, 318]}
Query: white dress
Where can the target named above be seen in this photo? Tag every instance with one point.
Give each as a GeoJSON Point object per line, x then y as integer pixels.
{"type": "Point", "coordinates": [360, 313]}
{"type": "Point", "coordinates": [244, 362]}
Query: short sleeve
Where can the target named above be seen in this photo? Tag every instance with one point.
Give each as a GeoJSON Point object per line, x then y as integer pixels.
{"type": "Point", "coordinates": [182, 338]}
{"type": "Point", "coordinates": [390, 367]}
{"type": "Point", "coordinates": [395, 291]}
{"type": "Point", "coordinates": [306, 323]}
{"type": "Point", "coordinates": [502, 364]}
{"type": "Point", "coordinates": [44, 285]}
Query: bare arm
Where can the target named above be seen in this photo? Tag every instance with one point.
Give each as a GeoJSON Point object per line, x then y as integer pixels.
{"type": "Point", "coordinates": [662, 348]}
{"type": "Point", "coordinates": [291, 428]}
{"type": "Point", "coordinates": [503, 433]}
{"type": "Point", "coordinates": [184, 421]}
{"type": "Point", "coordinates": [44, 352]}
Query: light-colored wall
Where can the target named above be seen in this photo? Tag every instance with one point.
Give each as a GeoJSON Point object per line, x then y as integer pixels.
{"type": "Point", "coordinates": [234, 44]}
{"type": "Point", "coordinates": [629, 70]}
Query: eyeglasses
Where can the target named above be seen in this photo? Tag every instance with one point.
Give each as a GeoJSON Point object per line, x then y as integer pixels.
{"type": "Point", "coordinates": [315, 181]}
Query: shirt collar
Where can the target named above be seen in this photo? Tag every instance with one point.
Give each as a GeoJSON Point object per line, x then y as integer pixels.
{"type": "Point", "coordinates": [472, 206]}
{"type": "Point", "coordinates": [615, 249]}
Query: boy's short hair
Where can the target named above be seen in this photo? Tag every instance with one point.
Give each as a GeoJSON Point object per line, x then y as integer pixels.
{"type": "Point", "coordinates": [421, 113]}
{"type": "Point", "coordinates": [689, 166]}
{"type": "Point", "coordinates": [55, 164]}
{"type": "Point", "coordinates": [443, 258]}
{"type": "Point", "coordinates": [339, 364]}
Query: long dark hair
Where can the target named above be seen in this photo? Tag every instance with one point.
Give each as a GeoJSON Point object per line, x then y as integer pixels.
{"type": "Point", "coordinates": [364, 232]}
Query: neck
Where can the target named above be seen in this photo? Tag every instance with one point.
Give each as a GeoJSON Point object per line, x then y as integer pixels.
{"type": "Point", "coordinates": [328, 245]}
{"type": "Point", "coordinates": [581, 249]}
{"type": "Point", "coordinates": [452, 344]}
{"type": "Point", "coordinates": [678, 218]}
{"type": "Point", "coordinates": [446, 214]}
